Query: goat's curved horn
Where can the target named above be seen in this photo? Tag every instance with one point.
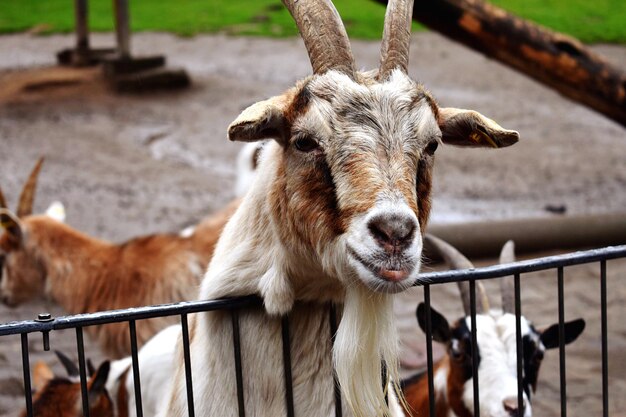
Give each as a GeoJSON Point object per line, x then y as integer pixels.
{"type": "Point", "coordinates": [25, 205]}
{"type": "Point", "coordinates": [323, 34]}
{"type": "Point", "coordinates": [507, 285]}
{"type": "Point", "coordinates": [3, 202]}
{"type": "Point", "coordinates": [394, 52]}
{"type": "Point", "coordinates": [456, 260]}
{"type": "Point", "coordinates": [70, 367]}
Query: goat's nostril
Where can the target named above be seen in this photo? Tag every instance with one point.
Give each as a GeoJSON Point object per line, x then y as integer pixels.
{"type": "Point", "coordinates": [392, 230]}
{"type": "Point", "coordinates": [511, 407]}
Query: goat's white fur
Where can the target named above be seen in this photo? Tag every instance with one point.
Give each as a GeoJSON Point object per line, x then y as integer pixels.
{"type": "Point", "coordinates": [56, 210]}
{"type": "Point", "coordinates": [246, 167]}
{"type": "Point", "coordinates": [250, 259]}
{"type": "Point", "coordinates": [156, 367]}
{"type": "Point", "coordinates": [497, 372]}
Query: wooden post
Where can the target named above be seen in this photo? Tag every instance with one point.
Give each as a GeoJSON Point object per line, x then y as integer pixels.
{"type": "Point", "coordinates": [122, 28]}
{"type": "Point", "coordinates": [556, 60]}
{"type": "Point", "coordinates": [82, 31]}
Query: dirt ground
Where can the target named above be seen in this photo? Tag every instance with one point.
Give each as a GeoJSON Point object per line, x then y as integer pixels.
{"type": "Point", "coordinates": [128, 165]}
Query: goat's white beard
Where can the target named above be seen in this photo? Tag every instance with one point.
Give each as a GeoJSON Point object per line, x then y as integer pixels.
{"type": "Point", "coordinates": [365, 337]}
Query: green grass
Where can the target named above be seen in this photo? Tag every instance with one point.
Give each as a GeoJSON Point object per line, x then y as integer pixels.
{"type": "Point", "coordinates": [590, 21]}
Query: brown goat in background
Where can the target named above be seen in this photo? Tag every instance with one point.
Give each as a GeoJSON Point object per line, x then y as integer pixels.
{"type": "Point", "coordinates": [41, 255]}
{"type": "Point", "coordinates": [61, 396]}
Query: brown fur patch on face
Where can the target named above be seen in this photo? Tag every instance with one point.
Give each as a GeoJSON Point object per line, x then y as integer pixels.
{"type": "Point", "coordinates": [299, 104]}
{"type": "Point", "coordinates": [303, 199]}
{"type": "Point", "coordinates": [363, 188]}
{"type": "Point", "coordinates": [456, 381]}
{"type": "Point", "coordinates": [424, 184]}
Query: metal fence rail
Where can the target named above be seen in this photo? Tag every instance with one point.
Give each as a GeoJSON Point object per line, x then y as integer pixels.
{"type": "Point", "coordinates": [78, 322]}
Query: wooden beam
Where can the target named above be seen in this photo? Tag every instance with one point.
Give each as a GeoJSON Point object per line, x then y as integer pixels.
{"type": "Point", "coordinates": [556, 60]}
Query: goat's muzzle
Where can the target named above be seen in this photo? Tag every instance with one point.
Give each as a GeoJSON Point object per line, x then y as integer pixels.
{"type": "Point", "coordinates": [385, 248]}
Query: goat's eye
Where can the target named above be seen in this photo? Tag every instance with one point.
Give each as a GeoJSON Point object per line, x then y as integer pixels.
{"type": "Point", "coordinates": [432, 147]}
{"type": "Point", "coordinates": [306, 144]}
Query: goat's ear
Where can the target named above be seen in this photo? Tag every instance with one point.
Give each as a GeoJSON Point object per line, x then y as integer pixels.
{"type": "Point", "coordinates": [469, 128]}
{"type": "Point", "coordinates": [13, 228]}
{"type": "Point", "coordinates": [42, 374]}
{"type": "Point", "coordinates": [97, 384]}
{"type": "Point", "coordinates": [439, 325]}
{"type": "Point", "coordinates": [56, 211]}
{"type": "Point", "coordinates": [573, 329]}
{"type": "Point", "coordinates": [263, 120]}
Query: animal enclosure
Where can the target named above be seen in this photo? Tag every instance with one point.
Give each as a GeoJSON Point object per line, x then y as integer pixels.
{"type": "Point", "coordinates": [558, 264]}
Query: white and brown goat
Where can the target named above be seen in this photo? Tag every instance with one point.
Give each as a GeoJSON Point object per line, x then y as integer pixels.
{"type": "Point", "coordinates": [61, 396]}
{"type": "Point", "coordinates": [111, 387]}
{"type": "Point", "coordinates": [497, 352]}
{"type": "Point", "coordinates": [336, 214]}
{"type": "Point", "coordinates": [40, 255]}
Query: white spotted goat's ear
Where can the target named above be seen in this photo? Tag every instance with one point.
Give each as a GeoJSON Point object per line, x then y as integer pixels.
{"type": "Point", "coordinates": [11, 225]}
{"type": "Point", "coordinates": [56, 211]}
{"type": "Point", "coordinates": [263, 120]}
{"type": "Point", "coordinates": [469, 128]}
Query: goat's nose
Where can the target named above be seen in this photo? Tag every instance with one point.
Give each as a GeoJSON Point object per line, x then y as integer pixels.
{"type": "Point", "coordinates": [393, 231]}
{"type": "Point", "coordinates": [511, 407]}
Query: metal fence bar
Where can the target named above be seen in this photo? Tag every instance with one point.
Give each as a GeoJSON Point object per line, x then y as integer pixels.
{"type": "Point", "coordinates": [133, 351]}
{"type": "Point", "coordinates": [238, 369]}
{"type": "Point", "coordinates": [429, 353]}
{"type": "Point", "coordinates": [518, 344]}
{"type": "Point", "coordinates": [124, 315]}
{"type": "Point", "coordinates": [287, 367]}
{"type": "Point", "coordinates": [605, 353]}
{"type": "Point", "coordinates": [532, 265]}
{"type": "Point", "coordinates": [474, 348]}
{"type": "Point", "coordinates": [26, 368]}
{"type": "Point", "coordinates": [80, 345]}
{"type": "Point", "coordinates": [562, 343]}
{"type": "Point", "coordinates": [333, 334]}
{"type": "Point", "coordinates": [187, 354]}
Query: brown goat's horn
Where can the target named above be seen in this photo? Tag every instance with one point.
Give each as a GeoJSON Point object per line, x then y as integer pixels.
{"type": "Point", "coordinates": [3, 202]}
{"type": "Point", "coordinates": [25, 205]}
{"type": "Point", "coordinates": [507, 285]}
{"type": "Point", "coordinates": [323, 34]}
{"type": "Point", "coordinates": [70, 367]}
{"type": "Point", "coordinates": [394, 52]}
{"type": "Point", "coordinates": [456, 260]}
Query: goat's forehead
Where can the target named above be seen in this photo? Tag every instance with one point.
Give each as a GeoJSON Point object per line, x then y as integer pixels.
{"type": "Point", "coordinates": [338, 87]}
{"type": "Point", "coordinates": [398, 105]}
{"type": "Point", "coordinates": [498, 327]}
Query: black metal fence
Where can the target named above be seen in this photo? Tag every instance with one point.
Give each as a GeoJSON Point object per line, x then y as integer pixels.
{"type": "Point", "coordinates": [45, 325]}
